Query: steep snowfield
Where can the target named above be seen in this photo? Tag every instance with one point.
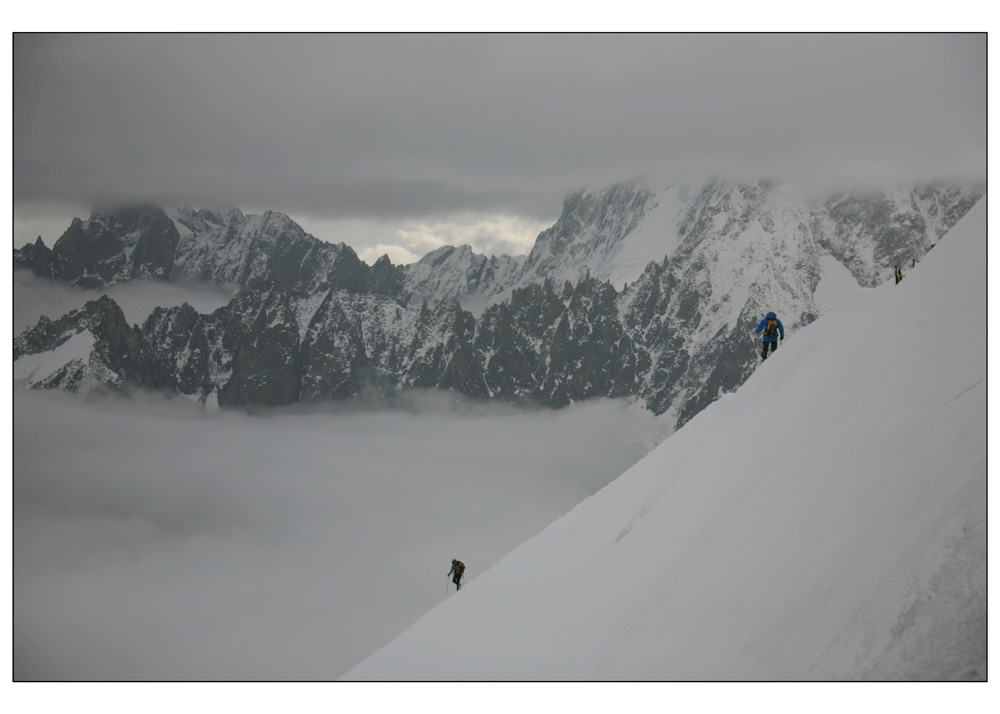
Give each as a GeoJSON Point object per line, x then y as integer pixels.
{"type": "Point", "coordinates": [655, 237]}
{"type": "Point", "coordinates": [836, 283]}
{"type": "Point", "coordinates": [35, 369]}
{"type": "Point", "coordinates": [827, 521]}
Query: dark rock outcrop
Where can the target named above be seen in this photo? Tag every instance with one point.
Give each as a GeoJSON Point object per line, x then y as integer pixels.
{"type": "Point", "coordinates": [117, 356]}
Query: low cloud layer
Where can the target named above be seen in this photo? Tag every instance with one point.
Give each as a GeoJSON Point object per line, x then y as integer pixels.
{"type": "Point", "coordinates": [154, 541]}
{"type": "Point", "coordinates": [419, 128]}
{"type": "Point", "coordinates": [36, 297]}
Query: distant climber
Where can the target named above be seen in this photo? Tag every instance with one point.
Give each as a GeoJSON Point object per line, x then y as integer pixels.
{"type": "Point", "coordinates": [457, 569]}
{"type": "Point", "coordinates": [773, 331]}
{"type": "Point", "coordinates": [899, 275]}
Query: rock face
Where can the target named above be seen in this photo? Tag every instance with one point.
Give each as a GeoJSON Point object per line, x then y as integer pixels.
{"type": "Point", "coordinates": [451, 274]}
{"type": "Point", "coordinates": [36, 257]}
{"type": "Point", "coordinates": [223, 246]}
{"type": "Point", "coordinates": [261, 340]}
{"type": "Point", "coordinates": [589, 233]}
{"type": "Point", "coordinates": [228, 247]}
{"type": "Point", "coordinates": [114, 246]}
{"type": "Point", "coordinates": [93, 346]}
{"type": "Point", "coordinates": [893, 229]}
{"type": "Point", "coordinates": [314, 323]}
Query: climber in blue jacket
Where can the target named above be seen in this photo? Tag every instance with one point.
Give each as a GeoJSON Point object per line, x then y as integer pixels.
{"type": "Point", "coordinates": [773, 331]}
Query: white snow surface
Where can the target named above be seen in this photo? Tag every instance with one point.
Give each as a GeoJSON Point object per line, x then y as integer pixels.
{"type": "Point", "coordinates": [176, 215]}
{"type": "Point", "coordinates": [36, 368]}
{"type": "Point", "coordinates": [836, 283]}
{"type": "Point", "coordinates": [654, 238]}
{"type": "Point", "coordinates": [827, 521]}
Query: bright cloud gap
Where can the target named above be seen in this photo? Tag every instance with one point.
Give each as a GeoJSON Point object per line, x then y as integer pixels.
{"type": "Point", "coordinates": [408, 241]}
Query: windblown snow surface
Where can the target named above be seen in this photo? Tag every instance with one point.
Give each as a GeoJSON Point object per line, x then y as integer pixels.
{"type": "Point", "coordinates": [827, 521]}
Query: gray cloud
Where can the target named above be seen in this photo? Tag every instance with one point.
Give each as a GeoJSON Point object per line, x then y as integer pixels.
{"type": "Point", "coordinates": [153, 541]}
{"type": "Point", "coordinates": [373, 126]}
{"type": "Point", "coordinates": [339, 127]}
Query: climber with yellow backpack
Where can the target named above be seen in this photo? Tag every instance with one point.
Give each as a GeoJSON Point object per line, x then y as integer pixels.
{"type": "Point", "coordinates": [773, 331]}
{"type": "Point", "coordinates": [457, 569]}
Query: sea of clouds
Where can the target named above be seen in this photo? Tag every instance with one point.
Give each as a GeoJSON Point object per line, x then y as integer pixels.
{"type": "Point", "coordinates": [155, 540]}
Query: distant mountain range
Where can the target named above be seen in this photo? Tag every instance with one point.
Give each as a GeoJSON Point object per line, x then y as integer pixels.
{"type": "Point", "coordinates": [634, 292]}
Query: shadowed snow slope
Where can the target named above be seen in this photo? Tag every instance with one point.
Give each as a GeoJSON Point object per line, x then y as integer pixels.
{"type": "Point", "coordinates": [827, 521]}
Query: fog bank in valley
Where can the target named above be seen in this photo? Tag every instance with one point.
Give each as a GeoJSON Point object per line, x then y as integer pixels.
{"type": "Point", "coordinates": [155, 541]}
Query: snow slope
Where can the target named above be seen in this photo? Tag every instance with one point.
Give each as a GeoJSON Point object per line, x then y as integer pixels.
{"type": "Point", "coordinates": [655, 237]}
{"type": "Point", "coordinates": [34, 369]}
{"type": "Point", "coordinates": [827, 521]}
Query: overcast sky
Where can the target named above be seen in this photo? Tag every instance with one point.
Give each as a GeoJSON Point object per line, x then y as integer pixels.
{"type": "Point", "coordinates": [410, 141]}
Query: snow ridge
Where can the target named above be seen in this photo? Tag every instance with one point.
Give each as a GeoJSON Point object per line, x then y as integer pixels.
{"type": "Point", "coordinates": [827, 521]}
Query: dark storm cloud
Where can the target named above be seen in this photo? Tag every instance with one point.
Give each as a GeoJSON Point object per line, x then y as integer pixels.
{"type": "Point", "coordinates": [377, 126]}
